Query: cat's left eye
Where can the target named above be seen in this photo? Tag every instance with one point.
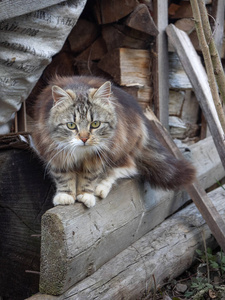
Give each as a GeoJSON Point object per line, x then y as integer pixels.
{"type": "Point", "coordinates": [95, 124]}
{"type": "Point", "coordinates": [71, 125]}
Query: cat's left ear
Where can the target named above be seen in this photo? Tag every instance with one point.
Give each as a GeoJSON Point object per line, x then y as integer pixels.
{"type": "Point", "coordinates": [58, 94]}
{"type": "Point", "coordinates": [104, 92]}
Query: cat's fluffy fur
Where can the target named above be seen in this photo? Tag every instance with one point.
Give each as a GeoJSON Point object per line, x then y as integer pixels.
{"type": "Point", "coordinates": [90, 133]}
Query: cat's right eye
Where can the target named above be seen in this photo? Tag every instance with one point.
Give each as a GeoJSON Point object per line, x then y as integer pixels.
{"type": "Point", "coordinates": [71, 125]}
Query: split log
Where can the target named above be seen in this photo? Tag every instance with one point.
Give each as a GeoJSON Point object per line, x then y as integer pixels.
{"type": "Point", "coordinates": [177, 77]}
{"type": "Point", "coordinates": [111, 11]}
{"type": "Point", "coordinates": [128, 67]}
{"type": "Point", "coordinates": [191, 108]}
{"type": "Point", "coordinates": [83, 35]}
{"type": "Point", "coordinates": [77, 241]}
{"type": "Point", "coordinates": [140, 19]}
{"type": "Point", "coordinates": [95, 52]}
{"type": "Point", "coordinates": [119, 36]}
{"type": "Point", "coordinates": [161, 255]}
{"type": "Point", "coordinates": [176, 100]}
{"type": "Point", "coordinates": [143, 94]}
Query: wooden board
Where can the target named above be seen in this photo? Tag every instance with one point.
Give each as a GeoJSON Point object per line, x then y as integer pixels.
{"type": "Point", "coordinates": [198, 78]}
{"type": "Point", "coordinates": [77, 241]}
{"type": "Point", "coordinates": [160, 63]}
{"type": "Point", "coordinates": [10, 9]}
{"type": "Point", "coordinates": [165, 252]}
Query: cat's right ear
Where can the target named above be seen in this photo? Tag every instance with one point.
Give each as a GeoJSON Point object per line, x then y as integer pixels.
{"type": "Point", "coordinates": [58, 94]}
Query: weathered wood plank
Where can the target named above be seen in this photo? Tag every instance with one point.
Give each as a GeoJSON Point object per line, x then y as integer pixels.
{"type": "Point", "coordinates": [77, 241]}
{"type": "Point", "coordinates": [165, 252]}
{"type": "Point", "coordinates": [10, 9]}
{"type": "Point", "coordinates": [195, 190]}
{"type": "Point", "coordinates": [199, 81]}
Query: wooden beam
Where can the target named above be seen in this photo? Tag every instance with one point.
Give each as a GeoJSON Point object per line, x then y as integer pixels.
{"type": "Point", "coordinates": [10, 9]}
{"type": "Point", "coordinates": [160, 67]}
{"type": "Point", "coordinates": [195, 190]}
{"type": "Point", "coordinates": [199, 81]}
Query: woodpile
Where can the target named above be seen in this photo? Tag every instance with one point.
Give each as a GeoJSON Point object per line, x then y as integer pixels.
{"type": "Point", "coordinates": [112, 39]}
{"type": "Point", "coordinates": [116, 40]}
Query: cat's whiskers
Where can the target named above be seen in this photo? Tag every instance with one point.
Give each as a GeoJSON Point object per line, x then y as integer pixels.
{"type": "Point", "coordinates": [58, 152]}
{"type": "Point", "coordinates": [106, 158]}
{"type": "Point", "coordinates": [99, 155]}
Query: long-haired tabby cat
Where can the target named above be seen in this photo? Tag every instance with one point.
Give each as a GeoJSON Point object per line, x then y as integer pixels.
{"type": "Point", "coordinates": [90, 133]}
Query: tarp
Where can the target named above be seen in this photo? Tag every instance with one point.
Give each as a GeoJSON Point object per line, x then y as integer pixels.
{"type": "Point", "coordinates": [27, 44]}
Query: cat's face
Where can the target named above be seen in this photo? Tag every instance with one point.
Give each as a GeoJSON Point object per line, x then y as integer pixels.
{"type": "Point", "coordinates": [83, 121]}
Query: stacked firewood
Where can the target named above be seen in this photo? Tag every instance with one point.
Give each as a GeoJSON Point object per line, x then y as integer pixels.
{"type": "Point", "coordinates": [112, 39]}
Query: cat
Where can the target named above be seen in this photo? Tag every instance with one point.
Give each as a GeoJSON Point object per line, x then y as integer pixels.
{"type": "Point", "coordinates": [91, 133]}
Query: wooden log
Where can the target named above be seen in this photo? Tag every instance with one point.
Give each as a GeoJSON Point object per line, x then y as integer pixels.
{"type": "Point", "coordinates": [128, 67]}
{"type": "Point", "coordinates": [178, 79]}
{"type": "Point", "coordinates": [176, 100]}
{"type": "Point", "coordinates": [161, 255]}
{"type": "Point", "coordinates": [25, 194]}
{"type": "Point", "coordinates": [83, 35]}
{"type": "Point", "coordinates": [111, 11]}
{"type": "Point", "coordinates": [140, 19]}
{"type": "Point", "coordinates": [95, 52]}
{"type": "Point", "coordinates": [142, 94]}
{"type": "Point", "coordinates": [191, 108]}
{"type": "Point", "coordinates": [121, 36]}
{"type": "Point", "coordinates": [199, 81]}
{"type": "Point", "coordinates": [77, 241]}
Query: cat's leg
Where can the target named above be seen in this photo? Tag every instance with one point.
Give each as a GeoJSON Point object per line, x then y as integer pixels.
{"type": "Point", "coordinates": [85, 190]}
{"type": "Point", "coordinates": [104, 187]}
{"type": "Point", "coordinates": [65, 187]}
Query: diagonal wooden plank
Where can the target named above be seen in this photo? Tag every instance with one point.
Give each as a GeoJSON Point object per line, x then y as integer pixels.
{"type": "Point", "coordinates": [198, 78]}
{"type": "Point", "coordinates": [195, 190]}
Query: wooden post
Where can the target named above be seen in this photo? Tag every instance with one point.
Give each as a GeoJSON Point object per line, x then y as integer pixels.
{"type": "Point", "coordinates": [195, 190]}
{"type": "Point", "coordinates": [160, 68]}
{"type": "Point", "coordinates": [199, 81]}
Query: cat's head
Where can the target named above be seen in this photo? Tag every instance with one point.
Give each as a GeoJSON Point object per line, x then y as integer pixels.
{"type": "Point", "coordinates": [83, 118]}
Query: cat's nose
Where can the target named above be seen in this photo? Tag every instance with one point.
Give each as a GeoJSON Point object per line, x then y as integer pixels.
{"type": "Point", "coordinates": [84, 139]}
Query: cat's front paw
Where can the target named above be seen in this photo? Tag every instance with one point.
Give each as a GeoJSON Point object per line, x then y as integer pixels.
{"type": "Point", "coordinates": [63, 199]}
{"type": "Point", "coordinates": [102, 190]}
{"type": "Point", "coordinates": [87, 199]}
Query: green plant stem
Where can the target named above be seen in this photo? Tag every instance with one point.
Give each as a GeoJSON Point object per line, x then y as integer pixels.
{"type": "Point", "coordinates": [216, 61]}
{"type": "Point", "coordinates": [208, 62]}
